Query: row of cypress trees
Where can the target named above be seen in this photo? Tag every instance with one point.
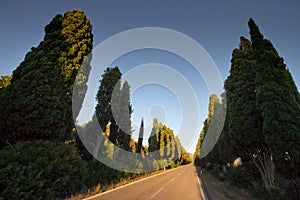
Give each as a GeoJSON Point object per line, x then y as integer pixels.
{"type": "Point", "coordinates": [262, 116]}
{"type": "Point", "coordinates": [36, 117]}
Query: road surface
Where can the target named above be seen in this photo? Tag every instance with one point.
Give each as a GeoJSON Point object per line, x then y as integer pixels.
{"type": "Point", "coordinates": [176, 184]}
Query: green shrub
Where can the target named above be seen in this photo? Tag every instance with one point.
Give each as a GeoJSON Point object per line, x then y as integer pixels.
{"type": "Point", "coordinates": [239, 177]}
{"type": "Point", "coordinates": [100, 173]}
{"type": "Point", "coordinates": [40, 170]}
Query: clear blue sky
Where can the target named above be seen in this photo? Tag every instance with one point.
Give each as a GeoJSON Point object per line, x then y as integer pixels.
{"type": "Point", "coordinates": [216, 25]}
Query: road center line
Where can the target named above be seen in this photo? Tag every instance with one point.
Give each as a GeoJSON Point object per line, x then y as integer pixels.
{"type": "Point", "coordinates": [172, 179]}
{"type": "Point", "coordinates": [156, 193]}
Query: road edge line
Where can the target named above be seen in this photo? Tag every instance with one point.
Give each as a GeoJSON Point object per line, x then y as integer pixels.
{"type": "Point", "coordinates": [202, 188]}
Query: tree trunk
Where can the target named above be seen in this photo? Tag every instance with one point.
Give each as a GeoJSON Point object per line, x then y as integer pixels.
{"type": "Point", "coordinates": [265, 165]}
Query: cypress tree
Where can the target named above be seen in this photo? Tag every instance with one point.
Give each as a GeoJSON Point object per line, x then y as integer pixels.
{"type": "Point", "coordinates": [153, 139]}
{"type": "Point", "coordinates": [114, 107]}
{"type": "Point", "coordinates": [262, 110]}
{"type": "Point", "coordinates": [33, 106]}
{"type": "Point", "coordinates": [125, 113]}
{"type": "Point", "coordinates": [278, 100]}
{"type": "Point", "coordinates": [213, 101]}
{"type": "Point", "coordinates": [39, 104]}
{"type": "Point", "coordinates": [77, 31]}
{"type": "Point", "coordinates": [140, 140]}
{"type": "Point", "coordinates": [110, 79]}
{"type": "Point", "coordinates": [75, 61]}
{"type": "Point", "coordinates": [243, 118]}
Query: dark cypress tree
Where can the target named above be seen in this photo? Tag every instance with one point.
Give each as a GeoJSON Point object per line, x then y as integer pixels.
{"type": "Point", "coordinates": [34, 105]}
{"type": "Point", "coordinates": [243, 118]}
{"type": "Point", "coordinates": [153, 139]}
{"type": "Point", "coordinates": [39, 104]}
{"type": "Point", "coordinates": [262, 110]}
{"type": "Point", "coordinates": [278, 100]}
{"type": "Point", "coordinates": [110, 79]}
{"type": "Point", "coordinates": [125, 120]}
{"type": "Point", "coordinates": [140, 140]}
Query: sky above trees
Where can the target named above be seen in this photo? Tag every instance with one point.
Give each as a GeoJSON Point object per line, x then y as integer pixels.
{"type": "Point", "coordinates": [213, 24]}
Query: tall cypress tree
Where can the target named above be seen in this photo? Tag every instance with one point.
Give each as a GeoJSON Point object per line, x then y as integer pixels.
{"type": "Point", "coordinates": [262, 122]}
{"type": "Point", "coordinates": [34, 105]}
{"type": "Point", "coordinates": [114, 107]}
{"type": "Point", "coordinates": [40, 107]}
{"type": "Point", "coordinates": [243, 118]}
{"type": "Point", "coordinates": [140, 140]}
{"type": "Point", "coordinates": [278, 100]}
{"type": "Point", "coordinates": [110, 79]}
{"type": "Point", "coordinates": [125, 113]}
{"type": "Point", "coordinates": [153, 138]}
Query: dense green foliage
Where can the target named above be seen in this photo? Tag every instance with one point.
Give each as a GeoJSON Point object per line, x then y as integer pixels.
{"type": "Point", "coordinates": [37, 104]}
{"type": "Point", "coordinates": [278, 100]}
{"type": "Point", "coordinates": [33, 107]}
{"type": "Point", "coordinates": [262, 122]}
{"type": "Point", "coordinates": [43, 155]}
{"type": "Point", "coordinates": [40, 170]}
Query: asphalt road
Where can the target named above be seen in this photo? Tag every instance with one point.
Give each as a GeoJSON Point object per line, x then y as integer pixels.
{"type": "Point", "coordinates": [176, 184]}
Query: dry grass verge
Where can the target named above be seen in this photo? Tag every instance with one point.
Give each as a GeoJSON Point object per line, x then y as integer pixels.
{"type": "Point", "coordinates": [222, 190]}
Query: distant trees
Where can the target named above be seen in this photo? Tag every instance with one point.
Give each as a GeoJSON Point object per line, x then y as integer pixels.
{"type": "Point", "coordinates": [213, 102]}
{"type": "Point", "coordinates": [164, 145]}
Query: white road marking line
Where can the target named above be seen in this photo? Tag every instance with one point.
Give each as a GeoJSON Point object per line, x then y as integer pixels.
{"type": "Point", "coordinates": [201, 190]}
{"type": "Point", "coordinates": [156, 193]}
{"type": "Point", "coordinates": [172, 179]}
